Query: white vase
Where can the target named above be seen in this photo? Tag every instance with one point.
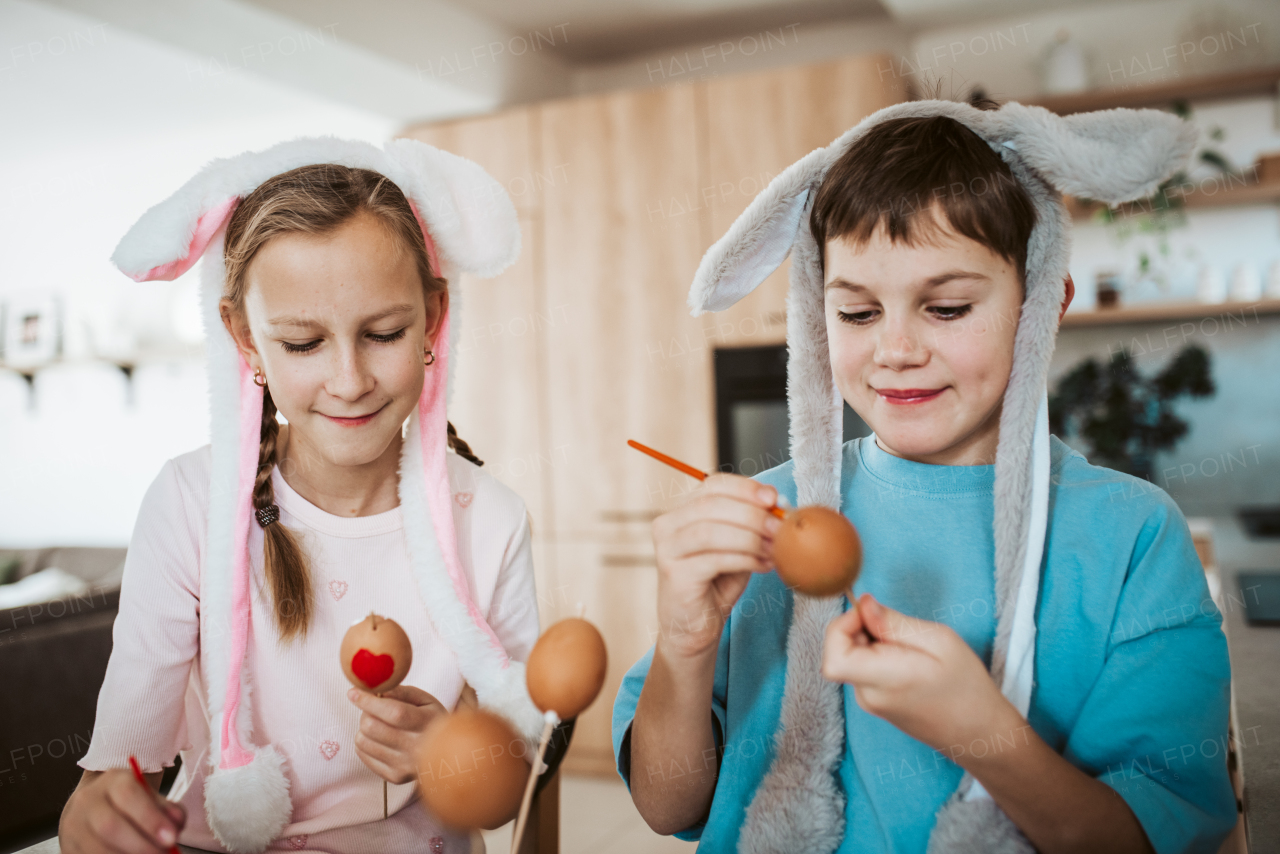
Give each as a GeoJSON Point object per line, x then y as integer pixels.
{"type": "Point", "coordinates": [1064, 66]}
{"type": "Point", "coordinates": [1210, 286]}
{"type": "Point", "coordinates": [1273, 281]}
{"type": "Point", "coordinates": [1246, 284]}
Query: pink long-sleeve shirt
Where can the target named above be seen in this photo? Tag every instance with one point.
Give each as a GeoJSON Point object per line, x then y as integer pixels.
{"type": "Point", "coordinates": [153, 701]}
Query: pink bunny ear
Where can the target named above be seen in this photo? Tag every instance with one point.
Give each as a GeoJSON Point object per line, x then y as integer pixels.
{"type": "Point", "coordinates": [207, 226]}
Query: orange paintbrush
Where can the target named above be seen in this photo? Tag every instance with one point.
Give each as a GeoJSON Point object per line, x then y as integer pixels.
{"type": "Point", "coordinates": [688, 469]}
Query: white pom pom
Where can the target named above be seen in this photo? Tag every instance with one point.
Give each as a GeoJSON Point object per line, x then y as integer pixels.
{"type": "Point", "coordinates": [248, 807]}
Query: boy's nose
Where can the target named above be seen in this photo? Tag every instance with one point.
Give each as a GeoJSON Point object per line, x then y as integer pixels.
{"type": "Point", "coordinates": [900, 349]}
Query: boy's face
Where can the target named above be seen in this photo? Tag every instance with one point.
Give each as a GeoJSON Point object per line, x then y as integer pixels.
{"type": "Point", "coordinates": [921, 341]}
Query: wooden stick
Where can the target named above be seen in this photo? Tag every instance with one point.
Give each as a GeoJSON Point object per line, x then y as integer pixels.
{"type": "Point", "coordinates": [384, 782]}
{"type": "Point", "coordinates": [551, 719]}
{"type": "Point", "coordinates": [688, 469]}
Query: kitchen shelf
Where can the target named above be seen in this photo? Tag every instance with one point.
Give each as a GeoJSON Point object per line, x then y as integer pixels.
{"type": "Point", "coordinates": [1254, 81]}
{"type": "Point", "coordinates": [1155, 312]}
{"type": "Point", "coordinates": [1226, 192]}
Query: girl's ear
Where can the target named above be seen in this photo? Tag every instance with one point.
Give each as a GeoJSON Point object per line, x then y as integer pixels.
{"type": "Point", "coordinates": [238, 328]}
{"type": "Point", "coordinates": [437, 307]}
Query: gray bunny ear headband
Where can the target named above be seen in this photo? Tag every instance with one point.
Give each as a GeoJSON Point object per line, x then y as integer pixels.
{"type": "Point", "coordinates": [1112, 156]}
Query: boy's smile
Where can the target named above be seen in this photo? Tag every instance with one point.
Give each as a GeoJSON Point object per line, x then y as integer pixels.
{"type": "Point", "coordinates": [921, 341]}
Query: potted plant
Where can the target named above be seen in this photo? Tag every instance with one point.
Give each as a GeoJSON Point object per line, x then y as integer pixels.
{"type": "Point", "coordinates": [1124, 417]}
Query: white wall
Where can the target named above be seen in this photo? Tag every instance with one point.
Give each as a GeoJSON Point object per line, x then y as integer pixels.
{"type": "Point", "coordinates": [92, 137]}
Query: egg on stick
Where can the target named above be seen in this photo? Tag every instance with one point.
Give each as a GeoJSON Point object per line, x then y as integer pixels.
{"type": "Point", "coordinates": [817, 550]}
{"type": "Point", "coordinates": [376, 656]}
{"type": "Point", "coordinates": [564, 674]}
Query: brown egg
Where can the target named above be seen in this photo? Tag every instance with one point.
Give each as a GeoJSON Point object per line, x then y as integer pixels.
{"type": "Point", "coordinates": [376, 654]}
{"type": "Point", "coordinates": [471, 768]}
{"type": "Point", "coordinates": [566, 668]}
{"type": "Point", "coordinates": [817, 551]}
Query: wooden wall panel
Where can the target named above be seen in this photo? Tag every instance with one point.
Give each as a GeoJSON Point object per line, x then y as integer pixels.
{"type": "Point", "coordinates": [501, 143]}
{"type": "Point", "coordinates": [619, 253]}
{"type": "Point", "coordinates": [756, 126]}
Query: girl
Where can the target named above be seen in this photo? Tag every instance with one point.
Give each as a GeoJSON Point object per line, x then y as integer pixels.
{"type": "Point", "coordinates": [324, 299]}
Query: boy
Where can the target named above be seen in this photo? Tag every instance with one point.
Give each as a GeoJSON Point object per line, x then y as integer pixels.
{"type": "Point", "coordinates": [928, 278]}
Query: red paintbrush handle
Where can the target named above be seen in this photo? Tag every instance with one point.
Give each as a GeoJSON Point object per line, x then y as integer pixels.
{"type": "Point", "coordinates": [137, 772]}
{"type": "Point", "coordinates": [687, 469]}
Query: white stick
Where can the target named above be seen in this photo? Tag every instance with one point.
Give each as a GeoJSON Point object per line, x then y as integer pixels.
{"type": "Point", "coordinates": [551, 720]}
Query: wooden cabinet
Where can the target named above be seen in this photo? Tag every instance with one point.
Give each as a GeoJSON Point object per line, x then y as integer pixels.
{"type": "Point", "coordinates": [587, 341]}
{"type": "Point", "coordinates": [618, 263]}
{"type": "Point", "coordinates": [756, 126]}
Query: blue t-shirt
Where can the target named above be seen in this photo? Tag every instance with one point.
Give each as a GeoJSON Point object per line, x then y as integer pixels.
{"type": "Point", "coordinates": [1131, 669]}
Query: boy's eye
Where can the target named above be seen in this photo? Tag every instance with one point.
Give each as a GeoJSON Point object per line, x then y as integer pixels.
{"type": "Point", "coordinates": [857, 318]}
{"type": "Point", "coordinates": [950, 312]}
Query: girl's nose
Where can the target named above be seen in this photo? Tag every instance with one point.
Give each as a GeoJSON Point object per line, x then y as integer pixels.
{"type": "Point", "coordinates": [349, 378]}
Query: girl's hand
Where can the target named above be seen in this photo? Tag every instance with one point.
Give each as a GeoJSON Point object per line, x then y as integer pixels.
{"type": "Point", "coordinates": [390, 726]}
{"type": "Point", "coordinates": [111, 812]}
{"type": "Point", "coordinates": [706, 553]}
{"type": "Point", "coordinates": [919, 676]}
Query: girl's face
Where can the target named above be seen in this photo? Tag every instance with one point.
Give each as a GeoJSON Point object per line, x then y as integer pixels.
{"type": "Point", "coordinates": [921, 341]}
{"type": "Point", "coordinates": [339, 326]}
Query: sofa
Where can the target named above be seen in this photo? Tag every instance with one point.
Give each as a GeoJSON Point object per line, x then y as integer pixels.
{"type": "Point", "coordinates": [53, 657]}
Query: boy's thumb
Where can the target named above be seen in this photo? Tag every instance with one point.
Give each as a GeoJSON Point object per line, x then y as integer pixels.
{"type": "Point", "coordinates": [886, 624]}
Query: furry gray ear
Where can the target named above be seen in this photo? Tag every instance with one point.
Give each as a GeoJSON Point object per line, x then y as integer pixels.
{"type": "Point", "coordinates": [1111, 156]}
{"type": "Point", "coordinates": [760, 239]}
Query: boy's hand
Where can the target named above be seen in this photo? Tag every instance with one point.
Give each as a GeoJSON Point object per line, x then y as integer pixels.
{"type": "Point", "coordinates": [919, 676]}
{"type": "Point", "coordinates": [390, 726]}
{"type": "Point", "coordinates": [110, 811]}
{"type": "Point", "coordinates": [706, 553]}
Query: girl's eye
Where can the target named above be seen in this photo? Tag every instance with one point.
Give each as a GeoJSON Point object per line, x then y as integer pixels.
{"type": "Point", "coordinates": [950, 312]}
{"type": "Point", "coordinates": [300, 348]}
{"type": "Point", "coordinates": [857, 318]}
{"type": "Point", "coordinates": [388, 338]}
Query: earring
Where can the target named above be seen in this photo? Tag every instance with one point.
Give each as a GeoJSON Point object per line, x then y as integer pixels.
{"type": "Point", "coordinates": [431, 360]}
{"type": "Point", "coordinates": [257, 375]}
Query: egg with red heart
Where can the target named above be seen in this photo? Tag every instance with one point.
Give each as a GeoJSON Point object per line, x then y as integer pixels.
{"type": "Point", "coordinates": [376, 654]}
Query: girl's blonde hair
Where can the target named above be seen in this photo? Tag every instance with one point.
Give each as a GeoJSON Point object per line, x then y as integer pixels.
{"type": "Point", "coordinates": [313, 200]}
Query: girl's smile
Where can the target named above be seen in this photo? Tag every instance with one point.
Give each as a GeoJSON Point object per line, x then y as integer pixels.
{"type": "Point", "coordinates": [354, 420]}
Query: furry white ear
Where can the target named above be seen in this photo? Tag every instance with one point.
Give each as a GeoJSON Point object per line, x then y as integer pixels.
{"type": "Point", "coordinates": [469, 214]}
{"type": "Point", "coordinates": [1110, 156]}
{"type": "Point", "coordinates": [759, 240]}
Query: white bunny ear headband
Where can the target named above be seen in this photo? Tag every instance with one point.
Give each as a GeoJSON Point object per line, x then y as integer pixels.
{"type": "Point", "coordinates": [469, 225]}
{"type": "Point", "coordinates": [1112, 156]}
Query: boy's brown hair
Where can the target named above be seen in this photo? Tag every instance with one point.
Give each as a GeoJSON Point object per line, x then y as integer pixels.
{"type": "Point", "coordinates": [903, 171]}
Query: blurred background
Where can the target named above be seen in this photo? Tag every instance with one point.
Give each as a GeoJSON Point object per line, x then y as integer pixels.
{"type": "Point", "coordinates": [629, 136]}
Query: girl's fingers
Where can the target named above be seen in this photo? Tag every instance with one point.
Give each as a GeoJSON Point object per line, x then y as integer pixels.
{"type": "Point", "coordinates": [378, 732]}
{"type": "Point", "coordinates": [383, 763]}
{"type": "Point", "coordinates": [135, 821]}
{"type": "Point", "coordinates": [412, 695]}
{"type": "Point", "coordinates": [396, 714]}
